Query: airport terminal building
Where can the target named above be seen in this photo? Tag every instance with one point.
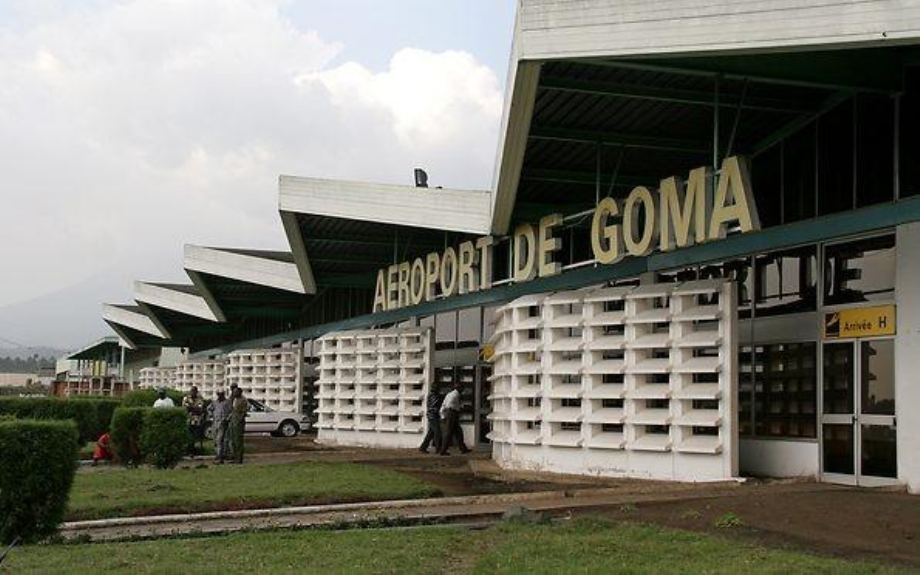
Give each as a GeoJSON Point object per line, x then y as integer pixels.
{"type": "Point", "coordinates": [699, 258]}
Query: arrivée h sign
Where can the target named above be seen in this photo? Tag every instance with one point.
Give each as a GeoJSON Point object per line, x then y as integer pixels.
{"type": "Point", "coordinates": [678, 214]}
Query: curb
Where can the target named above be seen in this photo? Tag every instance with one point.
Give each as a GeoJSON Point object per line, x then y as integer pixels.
{"type": "Point", "coordinates": [314, 509]}
{"type": "Point", "coordinates": [365, 506]}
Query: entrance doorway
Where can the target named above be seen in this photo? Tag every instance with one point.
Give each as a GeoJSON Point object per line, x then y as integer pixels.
{"type": "Point", "coordinates": [858, 427]}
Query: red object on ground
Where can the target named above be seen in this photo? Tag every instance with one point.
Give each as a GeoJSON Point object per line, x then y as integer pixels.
{"type": "Point", "coordinates": [103, 448]}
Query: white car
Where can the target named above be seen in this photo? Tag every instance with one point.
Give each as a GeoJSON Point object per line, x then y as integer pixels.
{"type": "Point", "coordinates": [263, 419]}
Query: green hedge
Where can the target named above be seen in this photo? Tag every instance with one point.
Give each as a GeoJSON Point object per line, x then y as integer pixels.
{"type": "Point", "coordinates": [105, 408]}
{"type": "Point", "coordinates": [146, 397]}
{"type": "Point", "coordinates": [85, 413]}
{"type": "Point", "coordinates": [127, 423]}
{"type": "Point", "coordinates": [165, 437]}
{"type": "Point", "coordinates": [158, 436]}
{"type": "Point", "coordinates": [37, 466]}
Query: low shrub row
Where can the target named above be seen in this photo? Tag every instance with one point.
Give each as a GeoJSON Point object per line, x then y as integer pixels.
{"type": "Point", "coordinates": [37, 466]}
{"type": "Point", "coordinates": [92, 416]}
{"type": "Point", "coordinates": [157, 436]}
{"type": "Point", "coordinates": [105, 408]}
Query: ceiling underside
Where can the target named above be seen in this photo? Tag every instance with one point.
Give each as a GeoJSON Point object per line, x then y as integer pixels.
{"type": "Point", "coordinates": [601, 127]}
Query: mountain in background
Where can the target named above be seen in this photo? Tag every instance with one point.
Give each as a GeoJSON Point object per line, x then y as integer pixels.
{"type": "Point", "coordinates": [67, 319]}
{"type": "Point", "coordinates": [43, 357]}
{"type": "Point", "coordinates": [27, 352]}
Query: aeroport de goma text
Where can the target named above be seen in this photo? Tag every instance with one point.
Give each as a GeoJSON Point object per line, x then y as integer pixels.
{"type": "Point", "coordinates": [682, 213]}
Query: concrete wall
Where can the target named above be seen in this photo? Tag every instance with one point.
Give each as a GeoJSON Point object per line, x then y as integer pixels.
{"type": "Point", "coordinates": [907, 355]}
{"type": "Point", "coordinates": [579, 379]}
{"type": "Point", "coordinates": [372, 386]}
{"type": "Point", "coordinates": [554, 28]}
{"type": "Point", "coordinates": [775, 458]}
{"type": "Point", "coordinates": [17, 379]}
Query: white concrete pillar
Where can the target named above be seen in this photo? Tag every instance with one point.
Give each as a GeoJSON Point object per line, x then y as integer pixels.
{"type": "Point", "coordinates": [907, 354]}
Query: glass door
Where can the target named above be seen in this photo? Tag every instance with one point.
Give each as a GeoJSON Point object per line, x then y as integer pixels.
{"type": "Point", "coordinates": [858, 431]}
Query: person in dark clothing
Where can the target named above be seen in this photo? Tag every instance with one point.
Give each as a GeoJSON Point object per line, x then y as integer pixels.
{"type": "Point", "coordinates": [432, 413]}
{"type": "Point", "coordinates": [450, 416]}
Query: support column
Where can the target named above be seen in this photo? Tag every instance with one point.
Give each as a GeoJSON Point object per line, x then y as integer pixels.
{"type": "Point", "coordinates": [907, 354]}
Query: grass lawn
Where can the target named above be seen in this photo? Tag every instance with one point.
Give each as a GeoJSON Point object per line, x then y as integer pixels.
{"type": "Point", "coordinates": [584, 546]}
{"type": "Point", "coordinates": [120, 492]}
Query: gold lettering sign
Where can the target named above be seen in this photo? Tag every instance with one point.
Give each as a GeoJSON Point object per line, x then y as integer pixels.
{"type": "Point", "coordinates": [678, 214]}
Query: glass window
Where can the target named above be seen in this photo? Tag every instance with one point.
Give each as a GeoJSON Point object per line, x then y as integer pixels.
{"type": "Point", "coordinates": [877, 381]}
{"type": "Point", "coordinates": [838, 448]}
{"type": "Point", "coordinates": [501, 260]}
{"type": "Point", "coordinates": [446, 330]}
{"type": "Point", "coordinates": [470, 327]}
{"type": "Point", "coordinates": [874, 150]}
{"type": "Point", "coordinates": [838, 378]}
{"type": "Point", "coordinates": [799, 176]}
{"type": "Point", "coordinates": [766, 179]}
{"type": "Point", "coordinates": [879, 450]}
{"type": "Point", "coordinates": [786, 281]}
{"type": "Point", "coordinates": [859, 271]}
{"type": "Point", "coordinates": [785, 394]}
{"type": "Point", "coordinates": [683, 275]}
{"type": "Point", "coordinates": [835, 160]}
{"type": "Point", "coordinates": [489, 322]}
{"type": "Point", "coordinates": [738, 271]}
{"type": "Point", "coordinates": [908, 135]}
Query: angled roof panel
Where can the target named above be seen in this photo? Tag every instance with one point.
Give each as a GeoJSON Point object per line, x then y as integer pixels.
{"type": "Point", "coordinates": [445, 209]}
{"type": "Point", "coordinates": [179, 298]}
{"type": "Point", "coordinates": [271, 269]}
{"type": "Point", "coordinates": [98, 348]}
{"type": "Point", "coordinates": [131, 316]}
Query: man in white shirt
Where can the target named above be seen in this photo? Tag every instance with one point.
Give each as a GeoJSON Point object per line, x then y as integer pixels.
{"type": "Point", "coordinates": [450, 414]}
{"type": "Point", "coordinates": [163, 400]}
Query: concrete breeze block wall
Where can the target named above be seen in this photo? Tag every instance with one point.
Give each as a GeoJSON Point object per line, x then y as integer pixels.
{"type": "Point", "coordinates": [372, 386]}
{"type": "Point", "coordinates": [623, 381]}
{"type": "Point", "coordinates": [270, 376]}
{"type": "Point", "coordinates": [156, 377]}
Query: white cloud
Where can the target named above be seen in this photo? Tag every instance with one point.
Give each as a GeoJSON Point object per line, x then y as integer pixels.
{"type": "Point", "coordinates": [129, 128]}
{"type": "Point", "coordinates": [427, 96]}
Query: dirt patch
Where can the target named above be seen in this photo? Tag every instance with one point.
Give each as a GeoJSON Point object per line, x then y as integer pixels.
{"type": "Point", "coordinates": [453, 476]}
{"type": "Point", "coordinates": [844, 522]}
{"type": "Point", "coordinates": [265, 443]}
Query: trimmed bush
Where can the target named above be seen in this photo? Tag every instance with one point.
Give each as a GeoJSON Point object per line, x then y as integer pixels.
{"type": "Point", "coordinates": [84, 413]}
{"type": "Point", "coordinates": [37, 466]}
{"type": "Point", "coordinates": [105, 408]}
{"type": "Point", "coordinates": [146, 397]}
{"type": "Point", "coordinates": [127, 423]}
{"type": "Point", "coordinates": [165, 437]}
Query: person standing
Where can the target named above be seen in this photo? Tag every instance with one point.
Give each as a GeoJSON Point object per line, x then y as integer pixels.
{"type": "Point", "coordinates": [433, 414]}
{"type": "Point", "coordinates": [163, 400]}
{"type": "Point", "coordinates": [237, 427]}
{"type": "Point", "coordinates": [221, 416]}
{"type": "Point", "coordinates": [194, 408]}
{"type": "Point", "coordinates": [450, 416]}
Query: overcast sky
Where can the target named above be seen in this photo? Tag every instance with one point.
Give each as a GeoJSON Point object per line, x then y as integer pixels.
{"type": "Point", "coordinates": [131, 127]}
